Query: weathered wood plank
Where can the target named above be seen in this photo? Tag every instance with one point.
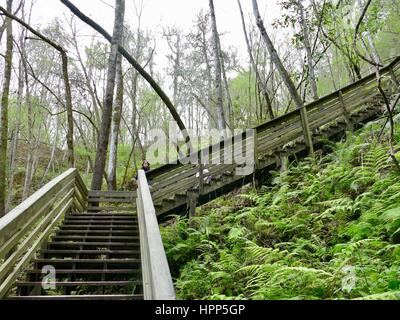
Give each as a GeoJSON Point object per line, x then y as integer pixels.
{"type": "Point", "coordinates": [6, 267]}
{"type": "Point", "coordinates": [8, 282]}
{"type": "Point", "coordinates": [12, 221]}
{"type": "Point", "coordinates": [119, 208]}
{"type": "Point", "coordinates": [112, 194]}
{"type": "Point", "coordinates": [157, 280]}
{"type": "Point", "coordinates": [16, 237]}
{"type": "Point", "coordinates": [111, 200]}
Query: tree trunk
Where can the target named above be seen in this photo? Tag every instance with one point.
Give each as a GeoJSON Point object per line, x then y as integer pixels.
{"type": "Point", "coordinates": [31, 148]}
{"type": "Point", "coordinates": [68, 104]}
{"type": "Point", "coordinates": [104, 133]}
{"type": "Point", "coordinates": [261, 84]}
{"type": "Point", "coordinates": [374, 52]}
{"type": "Point", "coordinates": [286, 78]}
{"type": "Point", "coordinates": [85, 145]}
{"type": "Point", "coordinates": [308, 49]}
{"type": "Point", "coordinates": [4, 111]}
{"type": "Point", "coordinates": [14, 141]}
{"type": "Point", "coordinates": [52, 154]}
{"type": "Point", "coordinates": [123, 183]}
{"type": "Point", "coordinates": [116, 121]}
{"type": "Point", "coordinates": [209, 76]}
{"type": "Point", "coordinates": [87, 78]}
{"type": "Point", "coordinates": [218, 73]}
{"type": "Point", "coordinates": [228, 93]}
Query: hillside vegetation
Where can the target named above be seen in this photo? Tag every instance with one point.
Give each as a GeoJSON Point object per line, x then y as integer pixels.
{"type": "Point", "coordinates": [329, 230]}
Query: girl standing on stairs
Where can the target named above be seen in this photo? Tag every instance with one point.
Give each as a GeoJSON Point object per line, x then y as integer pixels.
{"type": "Point", "coordinates": [145, 167]}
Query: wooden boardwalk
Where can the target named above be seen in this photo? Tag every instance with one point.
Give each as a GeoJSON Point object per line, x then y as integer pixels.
{"type": "Point", "coordinates": [109, 242]}
{"type": "Point", "coordinates": [175, 185]}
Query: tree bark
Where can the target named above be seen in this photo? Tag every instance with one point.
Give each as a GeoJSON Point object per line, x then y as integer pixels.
{"type": "Point", "coordinates": [116, 121]}
{"type": "Point", "coordinates": [87, 77]}
{"type": "Point", "coordinates": [218, 73]}
{"type": "Point", "coordinates": [4, 111]}
{"type": "Point", "coordinates": [228, 93]}
{"type": "Point", "coordinates": [52, 154]}
{"type": "Point", "coordinates": [208, 70]}
{"type": "Point", "coordinates": [31, 147]}
{"type": "Point", "coordinates": [374, 52]}
{"type": "Point", "coordinates": [286, 78]}
{"type": "Point", "coordinates": [102, 145]}
{"type": "Point", "coordinates": [261, 84]}
{"type": "Point", "coordinates": [307, 45]}
{"type": "Point", "coordinates": [14, 141]}
{"type": "Point", "coordinates": [68, 104]}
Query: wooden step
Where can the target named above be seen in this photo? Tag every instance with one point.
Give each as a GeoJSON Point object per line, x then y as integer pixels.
{"type": "Point", "coordinates": [65, 244]}
{"type": "Point", "coordinates": [87, 260]}
{"type": "Point", "coordinates": [131, 209]}
{"type": "Point", "coordinates": [92, 224]}
{"type": "Point", "coordinates": [95, 238]}
{"type": "Point", "coordinates": [79, 283]}
{"type": "Point", "coordinates": [71, 252]}
{"type": "Point", "coordinates": [115, 194]}
{"type": "Point", "coordinates": [99, 232]}
{"type": "Point", "coordinates": [89, 263]}
{"type": "Point", "coordinates": [89, 271]}
{"type": "Point", "coordinates": [96, 222]}
{"type": "Point", "coordinates": [102, 217]}
{"type": "Point", "coordinates": [104, 214]}
{"type": "Point", "coordinates": [110, 200]}
{"type": "Point", "coordinates": [97, 227]}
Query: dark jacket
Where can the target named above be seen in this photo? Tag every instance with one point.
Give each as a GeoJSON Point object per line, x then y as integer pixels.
{"type": "Point", "coordinates": [145, 171]}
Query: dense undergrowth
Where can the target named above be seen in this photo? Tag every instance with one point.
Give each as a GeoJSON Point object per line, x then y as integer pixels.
{"type": "Point", "coordinates": [329, 230]}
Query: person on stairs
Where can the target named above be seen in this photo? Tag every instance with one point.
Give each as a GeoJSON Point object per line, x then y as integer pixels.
{"type": "Point", "coordinates": [145, 167]}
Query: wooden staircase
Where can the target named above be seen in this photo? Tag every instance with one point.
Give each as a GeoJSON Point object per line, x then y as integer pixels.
{"type": "Point", "coordinates": [329, 117]}
{"type": "Point", "coordinates": [169, 190]}
{"type": "Point", "coordinates": [94, 254]}
{"type": "Point", "coordinates": [90, 250]}
{"type": "Point", "coordinates": [65, 242]}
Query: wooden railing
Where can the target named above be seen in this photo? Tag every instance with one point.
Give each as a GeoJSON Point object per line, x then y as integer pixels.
{"type": "Point", "coordinates": [25, 228]}
{"type": "Point", "coordinates": [271, 136]}
{"type": "Point", "coordinates": [157, 281]}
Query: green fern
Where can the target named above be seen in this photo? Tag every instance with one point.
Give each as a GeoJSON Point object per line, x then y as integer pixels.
{"type": "Point", "coordinates": [293, 239]}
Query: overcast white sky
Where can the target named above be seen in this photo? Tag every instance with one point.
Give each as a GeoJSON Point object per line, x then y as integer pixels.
{"type": "Point", "coordinates": [157, 14]}
{"type": "Point", "coordinates": [161, 13]}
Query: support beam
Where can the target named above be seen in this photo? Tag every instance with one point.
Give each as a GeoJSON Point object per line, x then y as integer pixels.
{"type": "Point", "coordinates": [349, 124]}
{"type": "Point", "coordinates": [192, 198]}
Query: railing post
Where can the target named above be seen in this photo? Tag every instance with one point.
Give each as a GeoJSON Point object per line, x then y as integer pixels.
{"type": "Point", "coordinates": [255, 146]}
{"type": "Point", "coordinates": [192, 196]}
{"type": "Point", "coordinates": [201, 175]}
{"type": "Point", "coordinates": [345, 112]}
{"type": "Point", "coordinates": [256, 183]}
{"type": "Point", "coordinates": [306, 130]}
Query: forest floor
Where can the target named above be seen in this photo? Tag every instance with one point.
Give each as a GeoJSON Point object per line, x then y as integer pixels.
{"type": "Point", "coordinates": [329, 230]}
